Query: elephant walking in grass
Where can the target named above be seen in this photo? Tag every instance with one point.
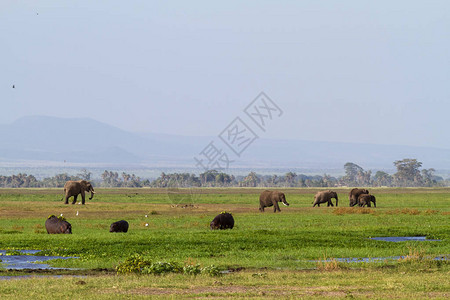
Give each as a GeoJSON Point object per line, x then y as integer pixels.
{"type": "Point", "coordinates": [271, 198]}
{"type": "Point", "coordinates": [354, 195]}
{"type": "Point", "coordinates": [325, 197]}
{"type": "Point", "coordinates": [74, 188]}
{"type": "Point", "coordinates": [365, 199]}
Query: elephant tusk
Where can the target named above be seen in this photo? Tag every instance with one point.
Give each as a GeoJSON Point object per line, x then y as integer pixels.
{"type": "Point", "coordinates": [285, 204]}
{"type": "Point", "coordinates": [92, 192]}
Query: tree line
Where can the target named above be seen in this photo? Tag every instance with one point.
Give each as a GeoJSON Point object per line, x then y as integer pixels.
{"type": "Point", "coordinates": [409, 174]}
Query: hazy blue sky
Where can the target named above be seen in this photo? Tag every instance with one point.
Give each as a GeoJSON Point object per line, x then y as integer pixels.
{"type": "Point", "coordinates": [362, 71]}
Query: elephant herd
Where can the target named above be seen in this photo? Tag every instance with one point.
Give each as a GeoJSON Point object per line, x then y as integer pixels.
{"type": "Point", "coordinates": [224, 220]}
{"type": "Point", "coordinates": [360, 197]}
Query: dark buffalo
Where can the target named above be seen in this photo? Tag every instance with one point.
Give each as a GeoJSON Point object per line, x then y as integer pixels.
{"type": "Point", "coordinates": [119, 226]}
{"type": "Point", "coordinates": [223, 220]}
{"type": "Point", "coordinates": [55, 225]}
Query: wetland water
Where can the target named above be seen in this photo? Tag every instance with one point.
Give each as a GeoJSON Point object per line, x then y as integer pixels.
{"type": "Point", "coordinates": [27, 260]}
{"type": "Point", "coordinates": [403, 239]}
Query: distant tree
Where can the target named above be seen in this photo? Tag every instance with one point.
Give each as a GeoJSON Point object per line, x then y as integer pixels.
{"type": "Point", "coordinates": [408, 173]}
{"type": "Point", "coordinates": [85, 175]}
{"type": "Point", "coordinates": [208, 178]}
{"type": "Point", "coordinates": [110, 179]}
{"type": "Point", "coordinates": [355, 175]}
{"type": "Point", "coordinates": [382, 179]}
{"type": "Point", "coordinates": [289, 178]}
{"type": "Point", "coordinates": [428, 177]}
{"type": "Point", "coordinates": [251, 180]}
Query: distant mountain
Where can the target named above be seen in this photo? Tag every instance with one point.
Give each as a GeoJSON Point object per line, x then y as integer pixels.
{"type": "Point", "coordinates": [83, 140]}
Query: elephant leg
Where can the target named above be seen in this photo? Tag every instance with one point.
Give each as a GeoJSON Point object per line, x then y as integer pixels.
{"type": "Point", "coordinates": [67, 200]}
{"type": "Point", "coordinates": [368, 204]}
{"type": "Point", "coordinates": [276, 207]}
{"type": "Point", "coordinates": [374, 204]}
{"type": "Point", "coordinates": [74, 199]}
{"type": "Point", "coordinates": [82, 197]}
{"type": "Point", "coordinates": [261, 208]}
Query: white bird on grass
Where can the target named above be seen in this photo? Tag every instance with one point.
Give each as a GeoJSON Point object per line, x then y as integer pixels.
{"type": "Point", "coordinates": [77, 212]}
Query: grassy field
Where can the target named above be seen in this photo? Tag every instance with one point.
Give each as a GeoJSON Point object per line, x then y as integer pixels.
{"type": "Point", "coordinates": [266, 254]}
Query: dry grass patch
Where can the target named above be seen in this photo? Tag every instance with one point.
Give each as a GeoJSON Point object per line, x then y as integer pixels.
{"type": "Point", "coordinates": [328, 264]}
{"type": "Point", "coordinates": [404, 211]}
{"type": "Point", "coordinates": [353, 210]}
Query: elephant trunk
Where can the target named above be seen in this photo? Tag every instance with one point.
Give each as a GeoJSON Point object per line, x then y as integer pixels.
{"type": "Point", "coordinates": [92, 194]}
{"type": "Point", "coordinates": [337, 201]}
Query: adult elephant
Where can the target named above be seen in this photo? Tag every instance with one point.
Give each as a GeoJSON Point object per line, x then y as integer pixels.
{"type": "Point", "coordinates": [271, 198]}
{"type": "Point", "coordinates": [325, 197]}
{"type": "Point", "coordinates": [354, 194]}
{"type": "Point", "coordinates": [74, 188]}
{"type": "Point", "coordinates": [365, 199]}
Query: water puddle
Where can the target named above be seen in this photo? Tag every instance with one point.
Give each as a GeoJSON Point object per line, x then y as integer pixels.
{"type": "Point", "coordinates": [27, 260]}
{"type": "Point", "coordinates": [403, 239]}
{"type": "Point", "coordinates": [375, 259]}
{"type": "Point", "coordinates": [37, 276]}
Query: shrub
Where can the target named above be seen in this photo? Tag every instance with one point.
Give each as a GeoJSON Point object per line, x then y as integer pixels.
{"type": "Point", "coordinates": [162, 268]}
{"type": "Point", "coordinates": [211, 270]}
{"type": "Point", "coordinates": [133, 264]}
{"type": "Point", "coordinates": [192, 269]}
{"type": "Point", "coordinates": [137, 264]}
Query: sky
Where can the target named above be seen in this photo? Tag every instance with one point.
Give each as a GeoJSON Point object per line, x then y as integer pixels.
{"type": "Point", "coordinates": [350, 71]}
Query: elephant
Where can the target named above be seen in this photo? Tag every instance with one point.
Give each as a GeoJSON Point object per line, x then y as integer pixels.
{"type": "Point", "coordinates": [269, 198]}
{"type": "Point", "coordinates": [73, 188]}
{"type": "Point", "coordinates": [354, 194]}
{"type": "Point", "coordinates": [365, 199]}
{"type": "Point", "coordinates": [223, 220]}
{"type": "Point", "coordinates": [325, 197]}
{"type": "Point", "coordinates": [55, 225]}
{"type": "Point", "coordinates": [119, 226]}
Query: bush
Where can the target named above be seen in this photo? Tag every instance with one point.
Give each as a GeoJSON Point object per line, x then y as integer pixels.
{"type": "Point", "coordinates": [211, 270]}
{"type": "Point", "coordinates": [134, 264]}
{"type": "Point", "coordinates": [137, 264]}
{"type": "Point", "coordinates": [162, 267]}
{"type": "Point", "coordinates": [192, 269]}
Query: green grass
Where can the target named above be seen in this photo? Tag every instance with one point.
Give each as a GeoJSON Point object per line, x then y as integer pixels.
{"type": "Point", "coordinates": [260, 242]}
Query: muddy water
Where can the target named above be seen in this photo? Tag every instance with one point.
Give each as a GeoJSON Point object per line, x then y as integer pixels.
{"type": "Point", "coordinates": [28, 260]}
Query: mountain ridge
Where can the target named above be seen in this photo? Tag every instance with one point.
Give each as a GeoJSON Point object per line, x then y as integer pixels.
{"type": "Point", "coordinates": [85, 140]}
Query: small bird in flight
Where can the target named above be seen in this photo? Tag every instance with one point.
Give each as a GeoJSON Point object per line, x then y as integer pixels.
{"type": "Point", "coordinates": [14, 86]}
